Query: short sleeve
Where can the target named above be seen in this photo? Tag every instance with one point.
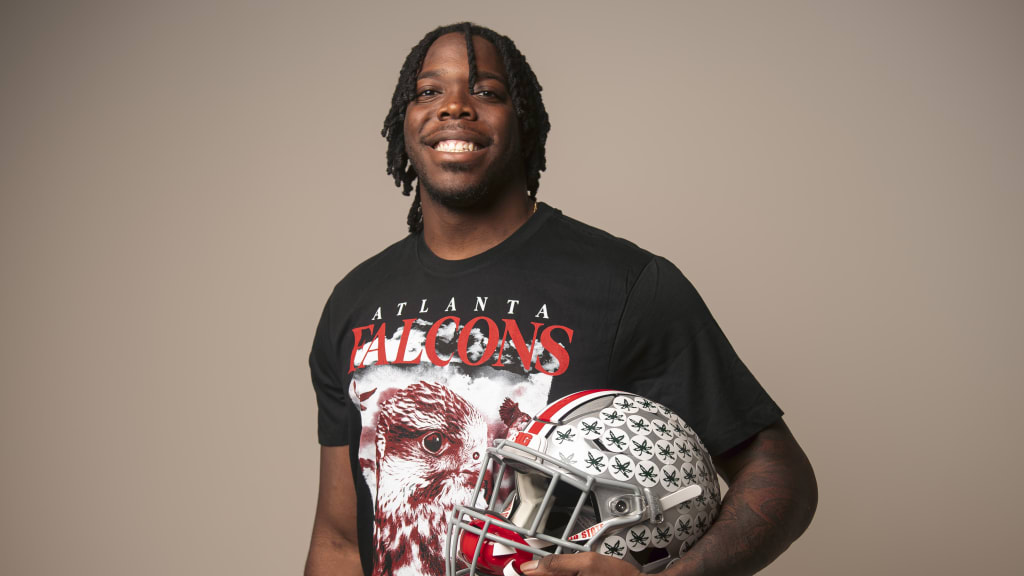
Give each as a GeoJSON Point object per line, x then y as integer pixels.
{"type": "Point", "coordinates": [669, 348]}
{"type": "Point", "coordinates": [332, 400]}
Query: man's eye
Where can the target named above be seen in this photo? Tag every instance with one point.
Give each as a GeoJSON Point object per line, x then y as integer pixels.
{"type": "Point", "coordinates": [486, 93]}
{"type": "Point", "coordinates": [426, 93]}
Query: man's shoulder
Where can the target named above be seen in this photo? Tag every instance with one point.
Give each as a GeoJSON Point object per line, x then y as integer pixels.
{"type": "Point", "coordinates": [584, 238]}
{"type": "Point", "coordinates": [380, 264]}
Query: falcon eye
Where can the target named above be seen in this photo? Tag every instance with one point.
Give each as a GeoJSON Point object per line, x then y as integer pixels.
{"type": "Point", "coordinates": [433, 442]}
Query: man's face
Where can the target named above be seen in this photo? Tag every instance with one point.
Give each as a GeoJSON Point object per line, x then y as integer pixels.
{"type": "Point", "coordinates": [463, 140]}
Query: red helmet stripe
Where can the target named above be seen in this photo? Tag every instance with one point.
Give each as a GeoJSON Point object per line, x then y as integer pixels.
{"type": "Point", "coordinates": [557, 409]}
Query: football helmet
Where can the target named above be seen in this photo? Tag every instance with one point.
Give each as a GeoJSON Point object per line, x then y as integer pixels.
{"type": "Point", "coordinates": [598, 470]}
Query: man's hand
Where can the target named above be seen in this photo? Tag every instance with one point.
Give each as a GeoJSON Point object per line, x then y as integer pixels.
{"type": "Point", "coordinates": [582, 564]}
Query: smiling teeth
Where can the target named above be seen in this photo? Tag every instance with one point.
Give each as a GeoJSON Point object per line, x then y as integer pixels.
{"type": "Point", "coordinates": [455, 146]}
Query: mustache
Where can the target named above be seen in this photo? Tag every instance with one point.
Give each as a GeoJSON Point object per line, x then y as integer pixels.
{"type": "Point", "coordinates": [459, 130]}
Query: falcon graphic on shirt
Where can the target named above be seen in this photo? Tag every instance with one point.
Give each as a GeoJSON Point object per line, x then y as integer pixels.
{"type": "Point", "coordinates": [425, 431]}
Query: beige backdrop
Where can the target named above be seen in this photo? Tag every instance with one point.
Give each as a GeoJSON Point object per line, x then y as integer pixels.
{"type": "Point", "coordinates": [184, 182]}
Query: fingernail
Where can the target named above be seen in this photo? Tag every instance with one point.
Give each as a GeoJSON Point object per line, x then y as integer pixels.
{"type": "Point", "coordinates": [527, 566]}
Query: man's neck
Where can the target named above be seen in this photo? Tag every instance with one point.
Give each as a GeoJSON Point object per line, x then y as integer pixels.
{"type": "Point", "coordinates": [460, 233]}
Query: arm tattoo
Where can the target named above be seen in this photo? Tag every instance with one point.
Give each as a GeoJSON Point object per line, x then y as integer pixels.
{"type": "Point", "coordinates": [770, 502]}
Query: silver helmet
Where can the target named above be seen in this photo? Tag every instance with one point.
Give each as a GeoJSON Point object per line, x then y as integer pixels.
{"type": "Point", "coordinates": [599, 470]}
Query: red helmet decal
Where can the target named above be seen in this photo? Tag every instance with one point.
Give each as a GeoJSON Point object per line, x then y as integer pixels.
{"type": "Point", "coordinates": [523, 438]}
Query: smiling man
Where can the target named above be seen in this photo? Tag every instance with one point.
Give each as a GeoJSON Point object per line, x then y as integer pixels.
{"type": "Point", "coordinates": [464, 144]}
{"type": "Point", "coordinates": [495, 304]}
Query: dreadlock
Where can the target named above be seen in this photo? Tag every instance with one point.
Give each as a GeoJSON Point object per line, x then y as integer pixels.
{"type": "Point", "coordinates": [524, 92]}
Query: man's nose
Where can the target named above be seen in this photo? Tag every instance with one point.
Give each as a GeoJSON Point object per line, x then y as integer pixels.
{"type": "Point", "coordinates": [457, 105]}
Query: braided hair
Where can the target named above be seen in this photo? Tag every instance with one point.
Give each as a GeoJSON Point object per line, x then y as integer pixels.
{"type": "Point", "coordinates": [525, 96]}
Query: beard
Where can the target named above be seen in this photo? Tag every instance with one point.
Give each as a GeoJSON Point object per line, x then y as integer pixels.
{"type": "Point", "coordinates": [454, 197]}
{"type": "Point", "coordinates": [479, 194]}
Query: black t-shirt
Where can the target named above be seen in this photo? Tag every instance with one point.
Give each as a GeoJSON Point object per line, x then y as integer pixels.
{"type": "Point", "coordinates": [420, 363]}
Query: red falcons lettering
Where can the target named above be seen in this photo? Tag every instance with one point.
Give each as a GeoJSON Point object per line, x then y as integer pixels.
{"type": "Point", "coordinates": [376, 349]}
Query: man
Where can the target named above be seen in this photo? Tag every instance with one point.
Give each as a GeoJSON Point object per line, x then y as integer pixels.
{"type": "Point", "coordinates": [491, 307]}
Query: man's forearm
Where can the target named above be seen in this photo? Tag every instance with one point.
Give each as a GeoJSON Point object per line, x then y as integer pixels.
{"type": "Point", "coordinates": [334, 545]}
{"type": "Point", "coordinates": [771, 500]}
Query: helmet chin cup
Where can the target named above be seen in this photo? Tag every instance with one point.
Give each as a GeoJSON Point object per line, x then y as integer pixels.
{"type": "Point", "coordinates": [492, 555]}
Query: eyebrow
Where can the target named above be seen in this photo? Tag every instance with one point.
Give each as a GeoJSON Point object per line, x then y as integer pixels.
{"type": "Point", "coordinates": [480, 74]}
